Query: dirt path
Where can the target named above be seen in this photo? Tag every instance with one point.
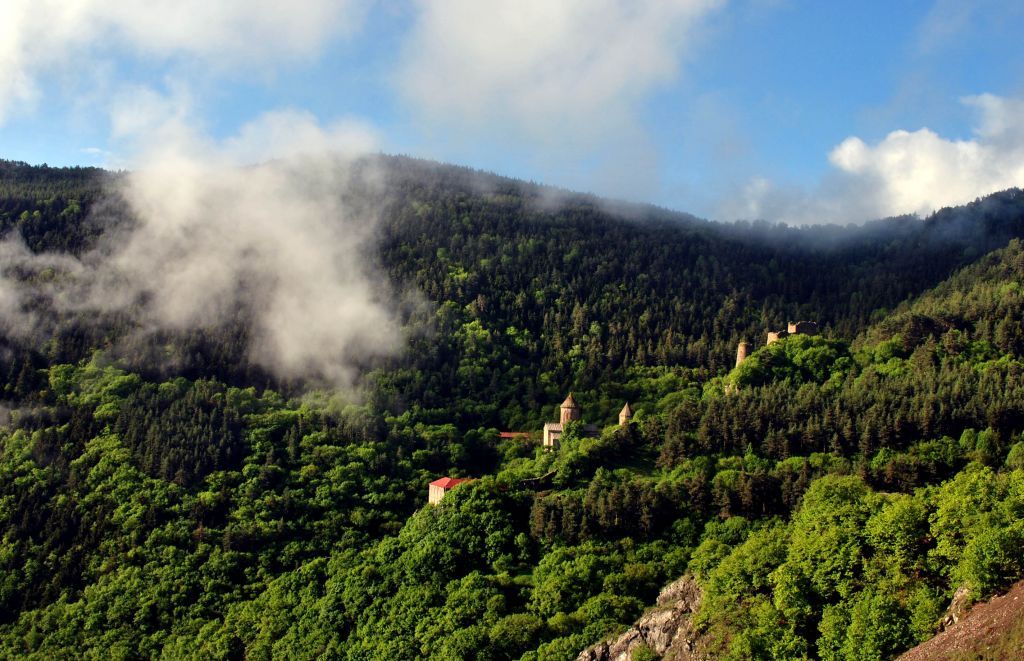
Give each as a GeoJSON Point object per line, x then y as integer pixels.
{"type": "Point", "coordinates": [990, 630]}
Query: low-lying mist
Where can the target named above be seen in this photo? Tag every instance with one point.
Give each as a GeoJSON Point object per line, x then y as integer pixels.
{"type": "Point", "coordinates": [285, 245]}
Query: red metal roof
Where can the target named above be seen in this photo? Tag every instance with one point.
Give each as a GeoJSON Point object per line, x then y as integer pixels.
{"type": "Point", "coordinates": [448, 482]}
{"type": "Point", "coordinates": [512, 434]}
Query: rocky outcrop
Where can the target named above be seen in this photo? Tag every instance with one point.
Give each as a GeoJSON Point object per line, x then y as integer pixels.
{"type": "Point", "coordinates": [957, 607]}
{"type": "Point", "coordinates": [667, 629]}
{"type": "Point", "coordinates": [993, 629]}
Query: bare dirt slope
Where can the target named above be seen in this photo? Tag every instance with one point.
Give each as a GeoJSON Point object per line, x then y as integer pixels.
{"type": "Point", "coordinates": [990, 630]}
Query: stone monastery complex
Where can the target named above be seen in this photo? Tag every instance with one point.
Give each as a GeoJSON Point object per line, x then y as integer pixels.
{"type": "Point", "coordinates": [570, 412]}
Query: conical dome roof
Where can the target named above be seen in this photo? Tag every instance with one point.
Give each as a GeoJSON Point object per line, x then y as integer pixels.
{"type": "Point", "coordinates": [570, 403]}
{"type": "Point", "coordinates": [626, 410]}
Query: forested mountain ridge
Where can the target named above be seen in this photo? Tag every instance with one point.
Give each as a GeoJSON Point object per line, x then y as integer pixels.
{"type": "Point", "coordinates": [48, 205]}
{"type": "Point", "coordinates": [568, 286]}
{"type": "Point", "coordinates": [829, 494]}
{"type": "Point", "coordinates": [596, 293]}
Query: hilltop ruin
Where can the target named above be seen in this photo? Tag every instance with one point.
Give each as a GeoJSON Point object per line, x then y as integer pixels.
{"type": "Point", "coordinates": [745, 348]}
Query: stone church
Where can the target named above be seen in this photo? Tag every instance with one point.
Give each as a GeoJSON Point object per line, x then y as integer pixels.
{"type": "Point", "coordinates": [570, 411]}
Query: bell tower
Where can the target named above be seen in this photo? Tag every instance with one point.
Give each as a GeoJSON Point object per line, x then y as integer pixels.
{"type": "Point", "coordinates": [570, 410]}
{"type": "Point", "coordinates": [625, 415]}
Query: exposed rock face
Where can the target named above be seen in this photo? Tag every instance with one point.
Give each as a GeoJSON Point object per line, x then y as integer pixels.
{"type": "Point", "coordinates": [958, 606]}
{"type": "Point", "coordinates": [989, 630]}
{"type": "Point", "coordinates": [667, 629]}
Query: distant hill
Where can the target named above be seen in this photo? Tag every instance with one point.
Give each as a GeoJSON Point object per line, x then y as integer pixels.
{"type": "Point", "coordinates": [592, 287]}
{"type": "Point", "coordinates": [162, 495]}
{"type": "Point", "coordinates": [603, 287]}
{"type": "Point", "coordinates": [983, 301]}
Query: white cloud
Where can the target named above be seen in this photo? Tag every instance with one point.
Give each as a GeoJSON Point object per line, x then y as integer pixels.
{"type": "Point", "coordinates": [905, 172]}
{"type": "Point", "coordinates": [151, 125]}
{"type": "Point", "coordinates": [138, 110]}
{"type": "Point", "coordinates": [947, 21]}
{"type": "Point", "coordinates": [567, 69]}
{"type": "Point", "coordinates": [284, 246]}
{"type": "Point", "coordinates": [944, 21]}
{"type": "Point", "coordinates": [292, 133]}
{"type": "Point", "coordinates": [25, 279]}
{"type": "Point", "coordinates": [276, 238]}
{"type": "Point", "coordinates": [40, 36]}
{"type": "Point", "coordinates": [272, 226]}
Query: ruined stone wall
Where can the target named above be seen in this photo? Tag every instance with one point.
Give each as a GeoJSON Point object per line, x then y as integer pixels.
{"type": "Point", "coordinates": [803, 328]}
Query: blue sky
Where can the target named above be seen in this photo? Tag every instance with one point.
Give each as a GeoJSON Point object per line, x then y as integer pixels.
{"type": "Point", "coordinates": [797, 111]}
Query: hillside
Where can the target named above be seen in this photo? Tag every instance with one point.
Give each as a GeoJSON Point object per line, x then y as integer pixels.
{"type": "Point", "coordinates": [598, 292]}
{"type": "Point", "coordinates": [591, 288]}
{"type": "Point", "coordinates": [990, 630]}
{"type": "Point", "coordinates": [163, 495]}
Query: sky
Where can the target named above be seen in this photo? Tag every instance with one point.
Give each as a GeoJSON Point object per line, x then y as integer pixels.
{"type": "Point", "coordinates": [785, 110]}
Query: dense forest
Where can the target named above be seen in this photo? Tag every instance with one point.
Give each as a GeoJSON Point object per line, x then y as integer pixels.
{"type": "Point", "coordinates": [829, 494]}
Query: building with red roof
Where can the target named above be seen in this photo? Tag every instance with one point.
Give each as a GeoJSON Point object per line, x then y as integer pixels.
{"type": "Point", "coordinates": [438, 488]}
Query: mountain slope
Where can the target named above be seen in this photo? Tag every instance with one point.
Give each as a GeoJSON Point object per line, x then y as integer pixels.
{"type": "Point", "coordinates": [601, 288]}
{"type": "Point", "coordinates": [828, 505]}
{"type": "Point", "coordinates": [990, 630]}
{"type": "Point", "coordinates": [554, 291]}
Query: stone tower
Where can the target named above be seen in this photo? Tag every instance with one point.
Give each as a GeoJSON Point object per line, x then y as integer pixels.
{"type": "Point", "coordinates": [570, 411]}
{"type": "Point", "coordinates": [625, 415]}
{"type": "Point", "coordinates": [742, 351]}
{"type": "Point", "coordinates": [803, 328]}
